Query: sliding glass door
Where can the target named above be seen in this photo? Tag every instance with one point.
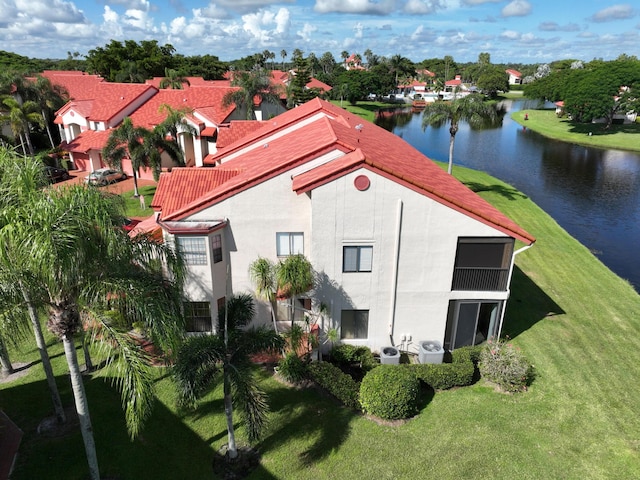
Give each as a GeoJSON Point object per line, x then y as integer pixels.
{"type": "Point", "coordinates": [472, 323]}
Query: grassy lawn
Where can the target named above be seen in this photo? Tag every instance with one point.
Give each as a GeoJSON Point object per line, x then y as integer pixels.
{"type": "Point", "coordinates": [132, 204]}
{"type": "Point", "coordinates": [367, 110]}
{"type": "Point", "coordinates": [546, 122]}
{"type": "Point", "coordinates": [576, 321]}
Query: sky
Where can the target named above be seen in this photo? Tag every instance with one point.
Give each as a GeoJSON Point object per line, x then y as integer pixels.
{"type": "Point", "coordinates": [511, 31]}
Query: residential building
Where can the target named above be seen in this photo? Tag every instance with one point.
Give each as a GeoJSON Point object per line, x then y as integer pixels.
{"type": "Point", "coordinates": [403, 251]}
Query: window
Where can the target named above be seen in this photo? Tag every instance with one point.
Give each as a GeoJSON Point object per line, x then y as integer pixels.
{"type": "Point", "coordinates": [357, 259]}
{"type": "Point", "coordinates": [197, 316]}
{"type": "Point", "coordinates": [193, 249]}
{"type": "Point", "coordinates": [216, 248]}
{"type": "Point", "coordinates": [354, 324]}
{"type": "Point", "coordinates": [289, 243]}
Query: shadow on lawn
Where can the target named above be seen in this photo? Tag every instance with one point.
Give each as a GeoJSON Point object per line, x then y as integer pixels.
{"type": "Point", "coordinates": [506, 191]}
{"type": "Point", "coordinates": [527, 305]}
{"type": "Point", "coordinates": [308, 413]}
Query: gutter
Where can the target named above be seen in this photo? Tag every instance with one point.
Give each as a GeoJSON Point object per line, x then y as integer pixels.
{"type": "Point", "coordinates": [394, 272]}
{"type": "Point", "coordinates": [513, 262]}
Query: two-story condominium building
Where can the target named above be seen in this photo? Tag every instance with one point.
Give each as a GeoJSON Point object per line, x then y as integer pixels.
{"type": "Point", "coordinates": [403, 251]}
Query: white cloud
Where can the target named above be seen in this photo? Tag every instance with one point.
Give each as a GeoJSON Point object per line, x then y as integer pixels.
{"type": "Point", "coordinates": [50, 10]}
{"type": "Point", "coordinates": [305, 33]}
{"type": "Point", "coordinates": [138, 19]}
{"type": "Point", "coordinates": [510, 35]}
{"type": "Point", "coordinates": [110, 16]}
{"type": "Point", "coordinates": [517, 8]}
{"type": "Point", "coordinates": [615, 12]}
{"type": "Point", "coordinates": [247, 5]}
{"type": "Point", "coordinates": [382, 7]}
{"type": "Point", "coordinates": [264, 26]}
{"type": "Point", "coordinates": [211, 11]}
{"type": "Point", "coordinates": [132, 4]}
{"type": "Point", "coordinates": [423, 7]}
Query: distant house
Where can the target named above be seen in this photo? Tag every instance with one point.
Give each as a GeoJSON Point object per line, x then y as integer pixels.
{"type": "Point", "coordinates": [403, 252]}
{"type": "Point", "coordinates": [96, 107]}
{"type": "Point", "coordinates": [515, 77]}
{"type": "Point", "coordinates": [353, 62]}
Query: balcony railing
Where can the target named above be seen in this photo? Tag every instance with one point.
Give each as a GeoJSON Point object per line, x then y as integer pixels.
{"type": "Point", "coordinates": [480, 279]}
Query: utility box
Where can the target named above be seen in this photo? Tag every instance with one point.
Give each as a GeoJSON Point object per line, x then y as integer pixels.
{"type": "Point", "coordinates": [431, 351]}
{"type": "Point", "coordinates": [389, 356]}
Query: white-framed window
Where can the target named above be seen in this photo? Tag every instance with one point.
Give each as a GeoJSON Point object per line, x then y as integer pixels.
{"type": "Point", "coordinates": [193, 249]}
{"type": "Point", "coordinates": [216, 248]}
{"type": "Point", "coordinates": [197, 316]}
{"type": "Point", "coordinates": [357, 258]}
{"type": "Point", "coordinates": [289, 243]}
{"type": "Point", "coordinates": [354, 324]}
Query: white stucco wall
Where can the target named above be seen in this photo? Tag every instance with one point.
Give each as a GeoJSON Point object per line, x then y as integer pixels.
{"type": "Point", "coordinates": [343, 215]}
{"type": "Point", "coordinates": [338, 214]}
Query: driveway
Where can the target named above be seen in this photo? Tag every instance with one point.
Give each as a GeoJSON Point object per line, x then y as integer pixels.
{"type": "Point", "coordinates": [78, 176]}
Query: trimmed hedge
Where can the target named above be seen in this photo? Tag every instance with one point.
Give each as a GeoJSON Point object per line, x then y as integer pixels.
{"type": "Point", "coordinates": [344, 355]}
{"type": "Point", "coordinates": [459, 373]}
{"type": "Point", "coordinates": [336, 382]}
{"type": "Point", "coordinates": [390, 392]}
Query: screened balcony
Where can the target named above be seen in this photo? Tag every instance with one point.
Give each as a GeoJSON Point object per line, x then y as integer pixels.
{"type": "Point", "coordinates": [482, 264]}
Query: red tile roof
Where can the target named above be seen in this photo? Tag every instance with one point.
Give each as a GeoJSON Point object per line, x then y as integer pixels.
{"type": "Point", "coordinates": [205, 100]}
{"type": "Point", "coordinates": [236, 130]}
{"type": "Point", "coordinates": [78, 85]}
{"type": "Point", "coordinates": [191, 183]}
{"type": "Point", "coordinates": [515, 73]}
{"type": "Point", "coordinates": [87, 140]}
{"type": "Point", "coordinates": [316, 128]}
{"type": "Point", "coordinates": [112, 98]}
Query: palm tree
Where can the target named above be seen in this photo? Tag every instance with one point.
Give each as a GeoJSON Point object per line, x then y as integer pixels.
{"type": "Point", "coordinates": [143, 147]}
{"type": "Point", "coordinates": [86, 267]}
{"type": "Point", "coordinates": [175, 122]}
{"type": "Point", "coordinates": [252, 84]}
{"type": "Point", "coordinates": [262, 273]}
{"type": "Point", "coordinates": [19, 184]}
{"type": "Point", "coordinates": [20, 118]}
{"type": "Point", "coordinates": [283, 54]}
{"type": "Point", "coordinates": [203, 358]}
{"type": "Point", "coordinates": [471, 108]}
{"type": "Point", "coordinates": [172, 79]}
{"type": "Point", "coordinates": [49, 97]}
{"type": "Point", "coordinates": [294, 276]}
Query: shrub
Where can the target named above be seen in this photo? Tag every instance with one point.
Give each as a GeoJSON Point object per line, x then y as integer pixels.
{"type": "Point", "coordinates": [464, 354]}
{"type": "Point", "coordinates": [390, 392]}
{"type": "Point", "coordinates": [445, 375]}
{"type": "Point", "coordinates": [336, 382]}
{"type": "Point", "coordinates": [504, 365]}
{"type": "Point", "coordinates": [292, 368]}
{"type": "Point", "coordinates": [344, 355]}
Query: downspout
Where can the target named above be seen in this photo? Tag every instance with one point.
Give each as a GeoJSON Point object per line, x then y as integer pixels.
{"type": "Point", "coordinates": [394, 270]}
{"type": "Point", "coordinates": [513, 262]}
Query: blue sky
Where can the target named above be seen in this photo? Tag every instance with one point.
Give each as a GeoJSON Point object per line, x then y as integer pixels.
{"type": "Point", "coordinates": [512, 31]}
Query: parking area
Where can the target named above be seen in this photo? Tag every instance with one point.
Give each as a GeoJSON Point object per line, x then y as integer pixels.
{"type": "Point", "coordinates": [78, 176]}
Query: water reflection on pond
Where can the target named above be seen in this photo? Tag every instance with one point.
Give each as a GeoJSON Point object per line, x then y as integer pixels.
{"type": "Point", "coordinates": [594, 194]}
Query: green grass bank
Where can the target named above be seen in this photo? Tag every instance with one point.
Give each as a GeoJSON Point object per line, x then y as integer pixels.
{"type": "Point", "coordinates": [575, 320]}
{"type": "Point", "coordinates": [547, 123]}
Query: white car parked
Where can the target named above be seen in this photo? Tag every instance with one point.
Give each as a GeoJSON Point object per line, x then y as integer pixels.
{"type": "Point", "coordinates": [103, 176]}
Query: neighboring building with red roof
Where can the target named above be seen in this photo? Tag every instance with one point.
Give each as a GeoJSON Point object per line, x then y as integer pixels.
{"type": "Point", "coordinates": [353, 62]}
{"type": "Point", "coordinates": [96, 107]}
{"type": "Point", "coordinates": [404, 252]}
{"type": "Point", "coordinates": [515, 77]}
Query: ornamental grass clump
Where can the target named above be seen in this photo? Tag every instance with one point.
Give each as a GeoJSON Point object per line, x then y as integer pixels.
{"type": "Point", "coordinates": [503, 364]}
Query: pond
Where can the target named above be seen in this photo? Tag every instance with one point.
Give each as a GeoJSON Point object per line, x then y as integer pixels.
{"type": "Point", "coordinates": [592, 193]}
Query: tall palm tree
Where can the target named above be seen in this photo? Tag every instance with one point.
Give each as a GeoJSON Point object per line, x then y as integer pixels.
{"type": "Point", "coordinates": [143, 147]}
{"type": "Point", "coordinates": [225, 356]}
{"type": "Point", "coordinates": [20, 183]}
{"type": "Point", "coordinates": [175, 122]}
{"type": "Point", "coordinates": [471, 108]}
{"type": "Point", "coordinates": [283, 54]}
{"type": "Point", "coordinates": [20, 117]}
{"type": "Point", "coordinates": [49, 98]}
{"type": "Point", "coordinates": [87, 267]}
{"type": "Point", "coordinates": [172, 79]}
{"type": "Point", "coordinates": [252, 84]}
